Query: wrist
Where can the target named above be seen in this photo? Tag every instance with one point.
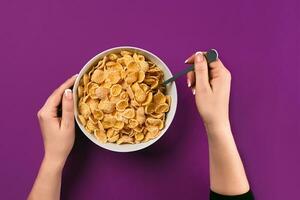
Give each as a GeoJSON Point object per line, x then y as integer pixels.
{"type": "Point", "coordinates": [218, 127]}
{"type": "Point", "coordinates": [53, 163]}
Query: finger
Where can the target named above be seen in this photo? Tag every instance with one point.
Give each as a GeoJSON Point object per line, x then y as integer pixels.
{"type": "Point", "coordinates": [190, 76]}
{"type": "Point", "coordinates": [190, 59]}
{"type": "Point", "coordinates": [217, 69]}
{"type": "Point", "coordinates": [55, 98]}
{"type": "Point", "coordinates": [201, 71]}
{"type": "Point", "coordinates": [193, 90]}
{"type": "Point", "coordinates": [216, 64]}
{"type": "Point", "coordinates": [219, 73]}
{"type": "Point", "coordinates": [67, 119]}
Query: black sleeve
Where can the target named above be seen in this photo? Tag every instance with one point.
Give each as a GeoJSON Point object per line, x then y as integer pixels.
{"type": "Point", "coordinates": [247, 196]}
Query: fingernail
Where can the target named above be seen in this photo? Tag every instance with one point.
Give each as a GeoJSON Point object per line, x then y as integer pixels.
{"type": "Point", "coordinates": [186, 61]}
{"type": "Point", "coordinates": [68, 93]}
{"type": "Point", "coordinates": [194, 91]}
{"type": "Point", "coordinates": [75, 75]}
{"type": "Point", "coordinates": [199, 56]}
{"type": "Point", "coordinates": [189, 83]}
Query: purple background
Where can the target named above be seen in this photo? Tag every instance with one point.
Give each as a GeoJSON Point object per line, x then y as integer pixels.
{"type": "Point", "coordinates": [42, 43]}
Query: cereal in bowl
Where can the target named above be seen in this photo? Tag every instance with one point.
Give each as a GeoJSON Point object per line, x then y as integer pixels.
{"type": "Point", "coordinates": [122, 100]}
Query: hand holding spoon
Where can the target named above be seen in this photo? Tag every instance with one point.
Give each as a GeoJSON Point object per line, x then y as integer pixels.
{"type": "Point", "coordinates": [210, 56]}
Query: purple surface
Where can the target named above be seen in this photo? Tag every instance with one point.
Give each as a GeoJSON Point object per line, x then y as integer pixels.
{"type": "Point", "coordinates": [44, 42]}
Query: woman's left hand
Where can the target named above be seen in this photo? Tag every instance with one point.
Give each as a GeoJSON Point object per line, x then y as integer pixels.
{"type": "Point", "coordinates": [58, 132]}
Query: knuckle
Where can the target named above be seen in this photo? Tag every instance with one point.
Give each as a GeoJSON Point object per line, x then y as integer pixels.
{"type": "Point", "coordinates": [228, 74]}
{"type": "Point", "coordinates": [56, 91]}
{"type": "Point", "coordinates": [205, 89]}
{"type": "Point", "coordinates": [200, 69]}
{"type": "Point", "coordinates": [40, 114]}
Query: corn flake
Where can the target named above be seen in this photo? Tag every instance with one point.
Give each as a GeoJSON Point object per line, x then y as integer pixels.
{"type": "Point", "coordinates": [101, 136]}
{"type": "Point", "coordinates": [115, 90]}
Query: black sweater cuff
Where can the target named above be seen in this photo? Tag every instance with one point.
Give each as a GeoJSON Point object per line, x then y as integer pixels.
{"type": "Point", "coordinates": [246, 196]}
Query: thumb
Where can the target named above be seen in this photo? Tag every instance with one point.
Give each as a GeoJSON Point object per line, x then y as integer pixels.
{"type": "Point", "coordinates": [201, 71]}
{"type": "Point", "coordinates": [67, 120]}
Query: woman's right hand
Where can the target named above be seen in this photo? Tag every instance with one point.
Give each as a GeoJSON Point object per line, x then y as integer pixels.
{"type": "Point", "coordinates": [211, 87]}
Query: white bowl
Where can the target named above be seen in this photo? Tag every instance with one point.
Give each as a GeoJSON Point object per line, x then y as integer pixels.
{"type": "Point", "coordinates": [170, 90]}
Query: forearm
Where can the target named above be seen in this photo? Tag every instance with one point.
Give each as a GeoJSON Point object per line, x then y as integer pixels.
{"type": "Point", "coordinates": [48, 182]}
{"type": "Point", "coordinates": [227, 174]}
